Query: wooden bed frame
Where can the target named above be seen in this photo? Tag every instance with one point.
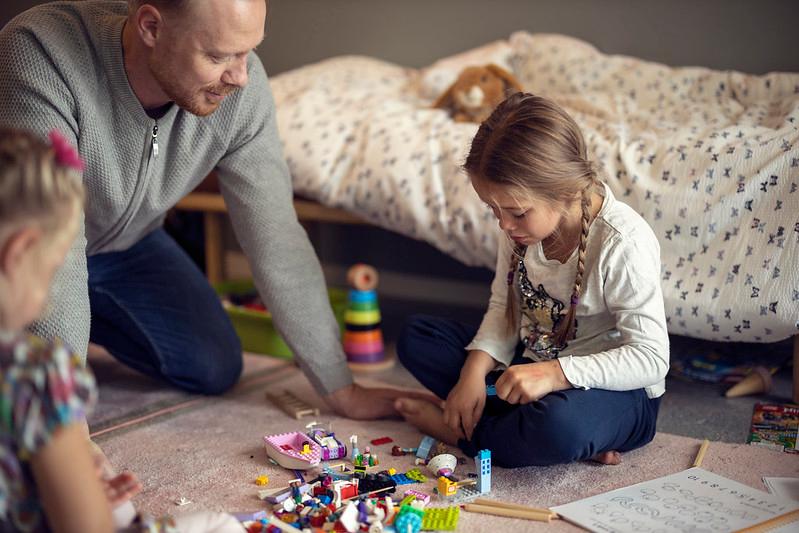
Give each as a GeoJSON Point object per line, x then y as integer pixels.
{"type": "Point", "coordinates": [212, 205]}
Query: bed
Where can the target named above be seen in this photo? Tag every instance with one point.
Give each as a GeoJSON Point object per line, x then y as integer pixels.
{"type": "Point", "coordinates": [709, 158]}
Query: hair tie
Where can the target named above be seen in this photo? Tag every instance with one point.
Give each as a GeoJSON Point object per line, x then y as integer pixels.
{"type": "Point", "coordinates": [575, 299]}
{"type": "Point", "coordinates": [65, 153]}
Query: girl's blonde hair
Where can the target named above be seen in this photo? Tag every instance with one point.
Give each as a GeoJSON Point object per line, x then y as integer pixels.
{"type": "Point", "coordinates": [39, 182]}
{"type": "Point", "coordinates": [531, 147]}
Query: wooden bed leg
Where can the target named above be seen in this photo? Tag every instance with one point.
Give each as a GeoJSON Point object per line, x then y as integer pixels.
{"type": "Point", "coordinates": [213, 247]}
{"type": "Point", "coordinates": [796, 368]}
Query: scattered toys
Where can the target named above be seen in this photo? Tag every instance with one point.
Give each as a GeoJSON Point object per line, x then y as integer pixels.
{"type": "Point", "coordinates": [416, 475]}
{"type": "Point", "coordinates": [292, 405]}
{"type": "Point", "coordinates": [293, 450]}
{"type": "Point", "coordinates": [420, 496]}
{"type": "Point", "coordinates": [332, 448]}
{"type": "Point", "coordinates": [397, 451]}
{"type": "Point", "coordinates": [441, 519]}
{"type": "Point", "coordinates": [442, 465]}
{"type": "Point", "coordinates": [451, 489]}
{"type": "Point", "coordinates": [408, 519]}
{"type": "Point", "coordinates": [345, 497]}
{"type": "Point", "coordinates": [423, 450]}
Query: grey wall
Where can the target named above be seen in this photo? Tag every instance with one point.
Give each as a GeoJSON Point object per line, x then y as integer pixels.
{"type": "Point", "coordinates": [751, 35]}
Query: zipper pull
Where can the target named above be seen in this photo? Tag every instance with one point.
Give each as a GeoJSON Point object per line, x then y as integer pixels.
{"type": "Point", "coordinates": [155, 140]}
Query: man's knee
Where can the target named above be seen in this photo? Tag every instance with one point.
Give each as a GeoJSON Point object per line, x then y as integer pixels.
{"type": "Point", "coordinates": [214, 369]}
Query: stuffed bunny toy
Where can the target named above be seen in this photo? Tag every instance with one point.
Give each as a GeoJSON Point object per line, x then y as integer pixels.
{"type": "Point", "coordinates": [476, 92]}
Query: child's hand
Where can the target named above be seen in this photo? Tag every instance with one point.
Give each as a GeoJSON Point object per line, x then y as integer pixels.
{"type": "Point", "coordinates": [464, 405]}
{"type": "Point", "coordinates": [121, 488]}
{"type": "Point", "coordinates": [527, 383]}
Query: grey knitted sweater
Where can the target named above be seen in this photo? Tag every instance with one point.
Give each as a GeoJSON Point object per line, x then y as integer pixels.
{"type": "Point", "coordinates": [61, 66]}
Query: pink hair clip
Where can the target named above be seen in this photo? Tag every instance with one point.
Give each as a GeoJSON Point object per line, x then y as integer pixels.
{"type": "Point", "coordinates": [65, 154]}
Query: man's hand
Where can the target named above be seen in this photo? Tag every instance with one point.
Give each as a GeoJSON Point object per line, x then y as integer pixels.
{"type": "Point", "coordinates": [368, 403]}
{"type": "Point", "coordinates": [530, 382]}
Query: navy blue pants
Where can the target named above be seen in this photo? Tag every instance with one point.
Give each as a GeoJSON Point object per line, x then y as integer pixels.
{"type": "Point", "coordinates": [561, 427]}
{"type": "Point", "coordinates": [153, 309]}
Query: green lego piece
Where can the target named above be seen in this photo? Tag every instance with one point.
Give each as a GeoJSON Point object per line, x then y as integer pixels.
{"type": "Point", "coordinates": [416, 475]}
{"type": "Point", "coordinates": [440, 518]}
{"type": "Point", "coordinates": [407, 500]}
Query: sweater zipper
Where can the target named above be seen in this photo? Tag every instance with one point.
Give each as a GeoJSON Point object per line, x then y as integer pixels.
{"type": "Point", "coordinates": [154, 141]}
{"type": "Point", "coordinates": [127, 217]}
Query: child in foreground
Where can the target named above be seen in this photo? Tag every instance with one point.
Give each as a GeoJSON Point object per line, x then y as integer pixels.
{"type": "Point", "coordinates": [51, 479]}
{"type": "Point", "coordinates": [574, 338]}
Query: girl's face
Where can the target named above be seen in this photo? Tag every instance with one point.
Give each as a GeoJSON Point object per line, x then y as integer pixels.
{"type": "Point", "coordinates": [526, 221]}
{"type": "Point", "coordinates": [28, 268]}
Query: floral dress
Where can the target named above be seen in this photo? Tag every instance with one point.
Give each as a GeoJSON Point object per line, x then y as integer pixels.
{"type": "Point", "coordinates": [43, 386]}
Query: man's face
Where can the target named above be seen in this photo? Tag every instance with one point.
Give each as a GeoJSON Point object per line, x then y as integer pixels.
{"type": "Point", "coordinates": [200, 55]}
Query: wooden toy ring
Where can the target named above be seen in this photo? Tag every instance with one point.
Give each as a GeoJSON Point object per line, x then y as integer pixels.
{"type": "Point", "coordinates": [362, 277]}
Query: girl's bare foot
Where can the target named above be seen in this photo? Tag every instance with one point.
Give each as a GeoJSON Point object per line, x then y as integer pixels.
{"type": "Point", "coordinates": [427, 417]}
{"type": "Point", "coordinates": [611, 457]}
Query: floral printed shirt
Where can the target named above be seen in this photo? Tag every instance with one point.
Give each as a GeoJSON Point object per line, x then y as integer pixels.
{"type": "Point", "coordinates": [42, 387]}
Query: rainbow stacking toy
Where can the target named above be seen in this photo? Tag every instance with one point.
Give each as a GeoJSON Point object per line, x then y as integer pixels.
{"type": "Point", "coordinates": [363, 338]}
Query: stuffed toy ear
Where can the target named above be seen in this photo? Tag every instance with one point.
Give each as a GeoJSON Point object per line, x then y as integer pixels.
{"type": "Point", "coordinates": [511, 83]}
{"type": "Point", "coordinates": [445, 101]}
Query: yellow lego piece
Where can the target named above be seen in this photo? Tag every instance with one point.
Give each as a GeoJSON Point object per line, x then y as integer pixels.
{"type": "Point", "coordinates": [262, 480]}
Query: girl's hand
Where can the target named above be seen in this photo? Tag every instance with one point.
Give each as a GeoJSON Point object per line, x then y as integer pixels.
{"type": "Point", "coordinates": [527, 383]}
{"type": "Point", "coordinates": [464, 405]}
{"type": "Point", "coordinates": [121, 488]}
{"type": "Point", "coordinates": [118, 488]}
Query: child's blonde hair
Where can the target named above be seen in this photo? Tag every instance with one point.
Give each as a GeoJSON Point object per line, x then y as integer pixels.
{"type": "Point", "coordinates": [39, 182]}
{"type": "Point", "coordinates": [533, 148]}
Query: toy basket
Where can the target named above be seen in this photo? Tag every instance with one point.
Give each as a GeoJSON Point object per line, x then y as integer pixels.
{"type": "Point", "coordinates": [255, 328]}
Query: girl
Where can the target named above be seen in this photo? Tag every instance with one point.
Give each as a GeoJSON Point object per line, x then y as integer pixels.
{"type": "Point", "coordinates": [50, 479]}
{"type": "Point", "coordinates": [576, 314]}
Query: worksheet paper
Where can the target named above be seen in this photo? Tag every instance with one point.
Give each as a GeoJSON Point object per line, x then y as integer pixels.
{"type": "Point", "coordinates": [692, 500]}
{"type": "Point", "coordinates": [786, 487]}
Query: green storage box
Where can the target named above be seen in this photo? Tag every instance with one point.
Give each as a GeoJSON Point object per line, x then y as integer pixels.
{"type": "Point", "coordinates": [255, 329]}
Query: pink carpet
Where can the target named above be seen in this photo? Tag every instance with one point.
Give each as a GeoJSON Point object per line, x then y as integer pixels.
{"type": "Point", "coordinates": [209, 450]}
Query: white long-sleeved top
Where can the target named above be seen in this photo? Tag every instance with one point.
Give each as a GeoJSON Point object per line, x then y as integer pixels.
{"type": "Point", "coordinates": [621, 341]}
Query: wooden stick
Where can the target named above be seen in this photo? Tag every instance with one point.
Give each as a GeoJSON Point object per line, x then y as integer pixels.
{"type": "Point", "coordinates": [772, 523]}
{"type": "Point", "coordinates": [366, 494]}
{"type": "Point", "coordinates": [538, 516]}
{"type": "Point", "coordinates": [701, 454]}
{"type": "Point", "coordinates": [505, 505]}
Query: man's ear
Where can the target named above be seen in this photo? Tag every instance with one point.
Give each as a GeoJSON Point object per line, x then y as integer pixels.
{"type": "Point", "coordinates": [12, 252]}
{"type": "Point", "coordinates": [148, 21]}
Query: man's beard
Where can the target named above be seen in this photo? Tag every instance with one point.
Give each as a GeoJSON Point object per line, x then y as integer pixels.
{"type": "Point", "coordinates": [193, 101]}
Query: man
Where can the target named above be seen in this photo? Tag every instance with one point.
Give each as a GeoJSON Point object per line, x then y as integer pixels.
{"type": "Point", "coordinates": [157, 93]}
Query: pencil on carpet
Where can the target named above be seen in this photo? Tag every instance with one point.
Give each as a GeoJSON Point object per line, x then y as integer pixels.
{"type": "Point", "coordinates": [701, 454]}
